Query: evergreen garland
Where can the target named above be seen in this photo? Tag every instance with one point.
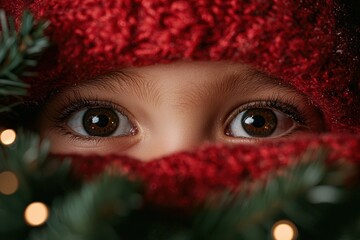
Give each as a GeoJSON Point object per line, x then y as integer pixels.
{"type": "Point", "coordinates": [18, 53]}
{"type": "Point", "coordinates": [310, 195]}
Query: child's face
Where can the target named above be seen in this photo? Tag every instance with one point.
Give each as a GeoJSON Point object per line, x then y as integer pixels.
{"type": "Point", "coordinates": [151, 111]}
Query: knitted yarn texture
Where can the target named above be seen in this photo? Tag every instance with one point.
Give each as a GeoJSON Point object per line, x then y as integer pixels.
{"type": "Point", "coordinates": [185, 180]}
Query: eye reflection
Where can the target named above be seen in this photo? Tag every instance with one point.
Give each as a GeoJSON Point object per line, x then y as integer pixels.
{"type": "Point", "coordinates": [100, 122]}
{"type": "Point", "coordinates": [260, 123]}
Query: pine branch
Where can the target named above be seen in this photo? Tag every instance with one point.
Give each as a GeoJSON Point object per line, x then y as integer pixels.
{"type": "Point", "coordinates": [92, 212]}
{"type": "Point", "coordinates": [18, 53]}
{"type": "Point", "coordinates": [287, 197]}
{"type": "Point", "coordinates": [87, 210]}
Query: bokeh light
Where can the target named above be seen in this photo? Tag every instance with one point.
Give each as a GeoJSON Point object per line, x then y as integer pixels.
{"type": "Point", "coordinates": [7, 136]}
{"type": "Point", "coordinates": [8, 183]}
{"type": "Point", "coordinates": [284, 230]}
{"type": "Point", "coordinates": [36, 214]}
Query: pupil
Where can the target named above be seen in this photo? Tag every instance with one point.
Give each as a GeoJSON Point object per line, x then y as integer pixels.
{"type": "Point", "coordinates": [100, 120]}
{"type": "Point", "coordinates": [258, 121]}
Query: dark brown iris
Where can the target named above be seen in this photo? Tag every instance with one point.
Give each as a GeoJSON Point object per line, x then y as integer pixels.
{"type": "Point", "coordinates": [100, 122]}
{"type": "Point", "coordinates": [259, 122]}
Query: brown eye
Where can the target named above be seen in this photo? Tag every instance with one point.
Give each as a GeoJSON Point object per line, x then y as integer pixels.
{"type": "Point", "coordinates": [259, 123]}
{"type": "Point", "coordinates": [100, 122]}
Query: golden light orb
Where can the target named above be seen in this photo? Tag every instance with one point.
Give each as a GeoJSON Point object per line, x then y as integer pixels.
{"type": "Point", "coordinates": [9, 183]}
{"type": "Point", "coordinates": [7, 136]}
{"type": "Point", "coordinates": [36, 214]}
{"type": "Point", "coordinates": [284, 230]}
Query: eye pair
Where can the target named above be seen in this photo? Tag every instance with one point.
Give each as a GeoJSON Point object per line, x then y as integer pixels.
{"type": "Point", "coordinates": [250, 122]}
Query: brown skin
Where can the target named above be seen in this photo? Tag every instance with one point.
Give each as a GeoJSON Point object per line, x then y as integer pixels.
{"type": "Point", "coordinates": [169, 108]}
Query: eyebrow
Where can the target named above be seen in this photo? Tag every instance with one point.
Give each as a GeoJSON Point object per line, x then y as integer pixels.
{"type": "Point", "coordinates": [250, 79]}
{"type": "Point", "coordinates": [245, 79]}
{"type": "Point", "coordinates": [121, 81]}
{"type": "Point", "coordinates": [239, 82]}
{"type": "Point", "coordinates": [228, 83]}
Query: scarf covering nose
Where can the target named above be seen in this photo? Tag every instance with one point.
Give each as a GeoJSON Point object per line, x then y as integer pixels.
{"type": "Point", "coordinates": [304, 44]}
{"type": "Point", "coordinates": [186, 180]}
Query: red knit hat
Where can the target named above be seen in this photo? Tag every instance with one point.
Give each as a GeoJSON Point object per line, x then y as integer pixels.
{"type": "Point", "coordinates": [302, 43]}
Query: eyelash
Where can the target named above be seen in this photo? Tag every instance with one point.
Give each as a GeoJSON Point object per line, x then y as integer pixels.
{"type": "Point", "coordinates": [76, 104]}
{"type": "Point", "coordinates": [80, 102]}
{"type": "Point", "coordinates": [285, 106]}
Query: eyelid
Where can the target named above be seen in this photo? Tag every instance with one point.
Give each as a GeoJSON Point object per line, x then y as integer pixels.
{"type": "Point", "coordinates": [283, 106]}
{"type": "Point", "coordinates": [73, 105]}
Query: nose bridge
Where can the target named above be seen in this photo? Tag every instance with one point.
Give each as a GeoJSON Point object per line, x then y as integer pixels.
{"type": "Point", "coordinates": [171, 139]}
{"type": "Point", "coordinates": [175, 132]}
{"type": "Point", "coordinates": [181, 138]}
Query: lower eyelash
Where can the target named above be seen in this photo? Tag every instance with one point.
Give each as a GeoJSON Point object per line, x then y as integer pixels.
{"type": "Point", "coordinates": [65, 132]}
{"type": "Point", "coordinates": [94, 140]}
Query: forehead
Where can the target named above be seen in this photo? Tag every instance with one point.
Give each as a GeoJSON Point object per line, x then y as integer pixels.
{"type": "Point", "coordinates": [195, 82]}
{"type": "Point", "coordinates": [185, 75]}
{"type": "Point", "coordinates": [194, 71]}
